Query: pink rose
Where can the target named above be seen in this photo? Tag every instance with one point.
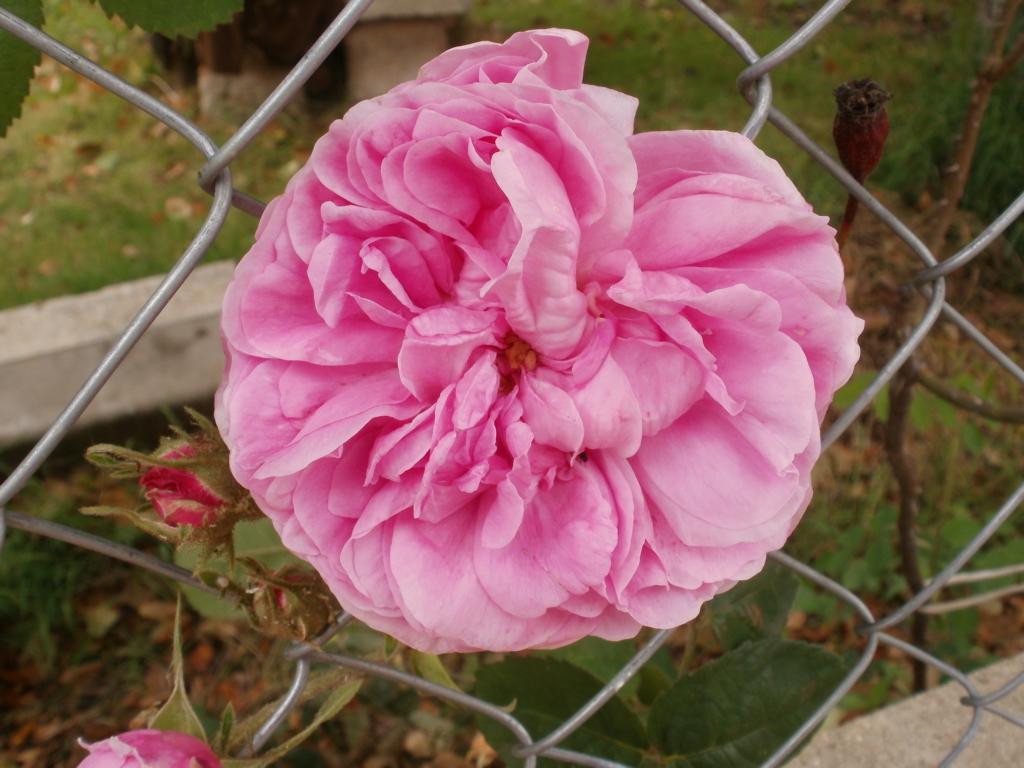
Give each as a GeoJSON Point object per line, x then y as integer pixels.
{"type": "Point", "coordinates": [177, 494]}
{"type": "Point", "coordinates": [149, 749]}
{"type": "Point", "coordinates": [508, 375]}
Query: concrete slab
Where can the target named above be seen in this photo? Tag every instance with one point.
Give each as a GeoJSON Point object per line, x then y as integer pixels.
{"type": "Point", "coordinates": [410, 9]}
{"type": "Point", "coordinates": [381, 54]}
{"type": "Point", "coordinates": [918, 732]}
{"type": "Point", "coordinates": [393, 39]}
{"type": "Point", "coordinates": [48, 349]}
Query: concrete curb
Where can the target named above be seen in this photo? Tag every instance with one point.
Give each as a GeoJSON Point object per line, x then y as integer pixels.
{"type": "Point", "coordinates": [918, 732]}
{"type": "Point", "coordinates": [49, 348]}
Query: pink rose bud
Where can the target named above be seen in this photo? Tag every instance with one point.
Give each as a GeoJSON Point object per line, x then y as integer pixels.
{"type": "Point", "coordinates": [138, 749]}
{"type": "Point", "coordinates": [178, 495]}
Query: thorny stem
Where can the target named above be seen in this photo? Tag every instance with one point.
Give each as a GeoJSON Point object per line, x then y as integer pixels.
{"type": "Point", "coordinates": [997, 64]}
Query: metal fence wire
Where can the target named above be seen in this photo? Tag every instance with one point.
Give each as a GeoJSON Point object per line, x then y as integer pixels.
{"type": "Point", "coordinates": [755, 85]}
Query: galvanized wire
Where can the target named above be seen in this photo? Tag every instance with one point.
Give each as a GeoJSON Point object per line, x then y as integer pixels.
{"type": "Point", "coordinates": [754, 84]}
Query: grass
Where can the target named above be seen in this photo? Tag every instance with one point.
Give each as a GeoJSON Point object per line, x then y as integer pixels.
{"type": "Point", "coordinates": [94, 191]}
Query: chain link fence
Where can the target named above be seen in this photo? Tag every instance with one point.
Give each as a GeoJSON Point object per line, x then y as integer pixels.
{"type": "Point", "coordinates": [755, 85]}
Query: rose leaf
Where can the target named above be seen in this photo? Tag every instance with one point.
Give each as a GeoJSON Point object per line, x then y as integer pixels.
{"type": "Point", "coordinates": [184, 17]}
{"type": "Point", "coordinates": [737, 710]}
{"type": "Point", "coordinates": [755, 608]}
{"type": "Point", "coordinates": [17, 60]}
{"type": "Point", "coordinates": [543, 692]}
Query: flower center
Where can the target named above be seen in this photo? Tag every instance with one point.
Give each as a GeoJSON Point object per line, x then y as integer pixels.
{"type": "Point", "coordinates": [516, 356]}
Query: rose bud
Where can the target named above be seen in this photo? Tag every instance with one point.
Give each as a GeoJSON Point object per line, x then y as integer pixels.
{"type": "Point", "coordinates": [149, 747]}
{"type": "Point", "coordinates": [177, 494]}
{"type": "Point", "coordinates": [859, 130]}
{"type": "Point", "coordinates": [861, 126]}
{"type": "Point", "coordinates": [291, 601]}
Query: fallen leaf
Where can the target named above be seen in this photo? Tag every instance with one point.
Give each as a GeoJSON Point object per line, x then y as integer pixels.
{"type": "Point", "coordinates": [175, 170]}
{"type": "Point", "coordinates": [200, 657]}
{"type": "Point", "coordinates": [481, 754]}
{"type": "Point", "coordinates": [156, 610]}
{"type": "Point", "coordinates": [89, 150]}
{"type": "Point", "coordinates": [100, 618]}
{"type": "Point", "coordinates": [417, 744]}
{"type": "Point", "coordinates": [177, 208]}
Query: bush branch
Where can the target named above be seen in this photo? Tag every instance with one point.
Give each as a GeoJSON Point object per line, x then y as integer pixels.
{"type": "Point", "coordinates": [901, 395]}
{"type": "Point", "coordinates": [996, 65]}
{"type": "Point", "coordinates": [969, 402]}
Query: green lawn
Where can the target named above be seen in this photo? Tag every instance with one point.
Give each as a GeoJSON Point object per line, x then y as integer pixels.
{"type": "Point", "coordinates": [94, 191]}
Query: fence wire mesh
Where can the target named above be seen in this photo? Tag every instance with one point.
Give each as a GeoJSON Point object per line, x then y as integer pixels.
{"type": "Point", "coordinates": [754, 83]}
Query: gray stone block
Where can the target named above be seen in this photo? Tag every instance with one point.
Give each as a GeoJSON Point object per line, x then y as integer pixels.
{"type": "Point", "coordinates": [381, 54]}
{"type": "Point", "coordinates": [918, 732]}
{"type": "Point", "coordinates": [409, 9]}
{"type": "Point", "coordinates": [48, 349]}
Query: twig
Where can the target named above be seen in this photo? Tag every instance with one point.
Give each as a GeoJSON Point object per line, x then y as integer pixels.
{"type": "Point", "coordinates": [1013, 57]}
{"type": "Point", "coordinates": [969, 402]}
{"type": "Point", "coordinates": [987, 574]}
{"type": "Point", "coordinates": [948, 606]}
{"type": "Point", "coordinates": [901, 395]}
{"type": "Point", "coordinates": [996, 65]}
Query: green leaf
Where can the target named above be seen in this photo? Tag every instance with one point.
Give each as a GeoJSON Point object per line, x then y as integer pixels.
{"type": "Point", "coordinates": [850, 391]}
{"type": "Point", "coordinates": [17, 61]}
{"type": "Point", "coordinates": [332, 705]}
{"type": "Point", "coordinates": [959, 530]}
{"type": "Point", "coordinates": [177, 714]}
{"type": "Point", "coordinates": [133, 517]}
{"type": "Point", "coordinates": [926, 410]}
{"type": "Point", "coordinates": [754, 608]}
{"type": "Point", "coordinates": [100, 618]}
{"type": "Point", "coordinates": [736, 711]}
{"type": "Point", "coordinates": [974, 438]}
{"type": "Point", "coordinates": [321, 682]}
{"type": "Point", "coordinates": [601, 658]}
{"type": "Point", "coordinates": [652, 681]}
{"type": "Point", "coordinates": [429, 667]}
{"type": "Point", "coordinates": [1000, 556]}
{"type": "Point", "coordinates": [227, 724]}
{"type": "Point", "coordinates": [881, 404]}
{"type": "Point", "coordinates": [544, 693]}
{"type": "Point", "coordinates": [182, 17]}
